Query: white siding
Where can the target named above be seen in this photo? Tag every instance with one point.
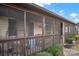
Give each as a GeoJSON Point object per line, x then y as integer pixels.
{"type": "Point", "coordinates": [3, 27]}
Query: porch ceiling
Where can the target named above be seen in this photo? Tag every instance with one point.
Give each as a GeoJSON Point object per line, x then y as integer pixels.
{"type": "Point", "coordinates": [34, 18]}
{"type": "Point", "coordinates": [41, 10]}
{"type": "Point", "coordinates": [34, 7]}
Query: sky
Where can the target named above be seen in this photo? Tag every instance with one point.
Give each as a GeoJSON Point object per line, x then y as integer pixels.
{"type": "Point", "coordinates": [69, 11]}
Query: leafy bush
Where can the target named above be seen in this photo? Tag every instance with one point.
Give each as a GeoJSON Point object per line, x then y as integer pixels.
{"type": "Point", "coordinates": [77, 37]}
{"type": "Point", "coordinates": [42, 54]}
{"type": "Point", "coordinates": [55, 50]}
{"type": "Point", "coordinates": [51, 51]}
{"type": "Point", "coordinates": [70, 38]}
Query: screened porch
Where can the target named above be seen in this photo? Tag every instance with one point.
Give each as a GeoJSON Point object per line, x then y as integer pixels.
{"type": "Point", "coordinates": [26, 32]}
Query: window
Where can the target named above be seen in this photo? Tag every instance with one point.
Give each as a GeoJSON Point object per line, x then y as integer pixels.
{"type": "Point", "coordinates": [61, 25]}
{"type": "Point", "coordinates": [69, 28]}
{"type": "Point", "coordinates": [12, 27]}
{"type": "Point", "coordinates": [16, 20]}
{"type": "Point", "coordinates": [66, 28]}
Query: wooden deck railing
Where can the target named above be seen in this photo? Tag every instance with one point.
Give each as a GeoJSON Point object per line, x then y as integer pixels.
{"type": "Point", "coordinates": [27, 45]}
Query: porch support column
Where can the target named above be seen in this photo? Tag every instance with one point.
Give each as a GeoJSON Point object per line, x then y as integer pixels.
{"type": "Point", "coordinates": [63, 36]}
{"type": "Point", "coordinates": [25, 24]}
{"type": "Point", "coordinates": [24, 41]}
{"type": "Point", "coordinates": [43, 33]}
{"type": "Point", "coordinates": [43, 29]}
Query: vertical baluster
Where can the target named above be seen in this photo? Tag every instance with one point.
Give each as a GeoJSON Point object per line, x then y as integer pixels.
{"type": "Point", "coordinates": [20, 47]}
{"type": "Point", "coordinates": [16, 47]}
{"type": "Point", "coordinates": [2, 49]}
{"type": "Point", "coordinates": [32, 49]}
{"type": "Point", "coordinates": [12, 47]}
{"type": "Point", "coordinates": [37, 43]}
{"type": "Point", "coordinates": [59, 39]}
{"type": "Point", "coordinates": [43, 43]}
{"type": "Point", "coordinates": [30, 46]}
{"type": "Point", "coordinates": [40, 43]}
{"type": "Point", "coordinates": [53, 39]}
{"type": "Point", "coordinates": [24, 47]}
{"type": "Point", "coordinates": [7, 48]}
{"type": "Point", "coordinates": [27, 46]}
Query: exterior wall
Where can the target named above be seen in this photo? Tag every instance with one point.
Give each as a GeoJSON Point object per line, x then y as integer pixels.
{"type": "Point", "coordinates": [77, 29]}
{"type": "Point", "coordinates": [3, 27]}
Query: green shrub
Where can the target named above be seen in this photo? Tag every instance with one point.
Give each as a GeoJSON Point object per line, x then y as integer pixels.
{"type": "Point", "coordinates": [51, 51]}
{"type": "Point", "coordinates": [42, 54]}
{"type": "Point", "coordinates": [69, 38]}
{"type": "Point", "coordinates": [55, 50]}
{"type": "Point", "coordinates": [77, 37]}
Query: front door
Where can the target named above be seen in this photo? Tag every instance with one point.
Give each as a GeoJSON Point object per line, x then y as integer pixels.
{"type": "Point", "coordinates": [37, 28]}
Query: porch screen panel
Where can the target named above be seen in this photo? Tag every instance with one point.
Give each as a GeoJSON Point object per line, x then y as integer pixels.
{"type": "Point", "coordinates": [57, 28]}
{"type": "Point", "coordinates": [57, 31]}
{"type": "Point", "coordinates": [12, 27]}
{"type": "Point", "coordinates": [48, 25]}
{"type": "Point", "coordinates": [3, 11]}
{"type": "Point", "coordinates": [18, 17]}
